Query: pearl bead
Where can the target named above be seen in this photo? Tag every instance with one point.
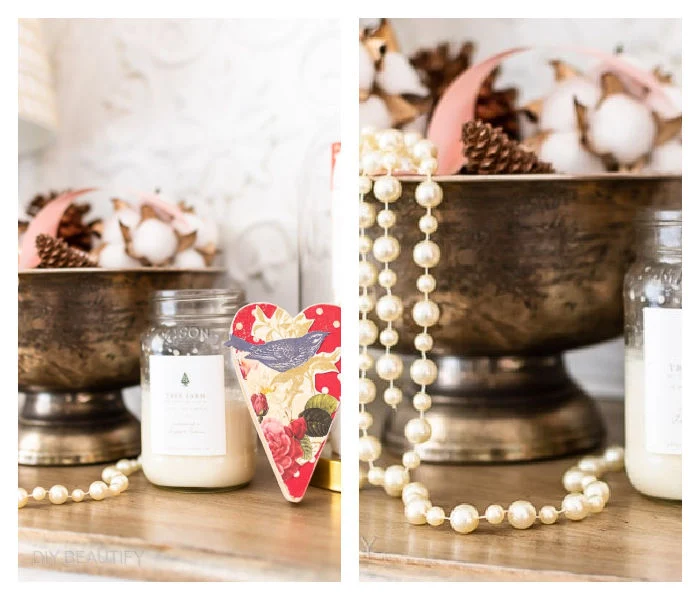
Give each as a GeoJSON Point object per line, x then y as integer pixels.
{"type": "Point", "coordinates": [376, 476]}
{"type": "Point", "coordinates": [97, 490]}
{"type": "Point", "coordinates": [548, 515]}
{"type": "Point", "coordinates": [108, 473]}
{"type": "Point", "coordinates": [389, 139]}
{"type": "Point", "coordinates": [410, 138]}
{"type": "Point", "coordinates": [367, 214]}
{"type": "Point", "coordinates": [428, 224]}
{"type": "Point", "coordinates": [369, 448]}
{"type": "Point", "coordinates": [410, 460]}
{"type": "Point", "coordinates": [367, 390]}
{"type": "Point", "coordinates": [422, 401]}
{"type": "Point", "coordinates": [366, 303]}
{"type": "Point", "coordinates": [428, 194]}
{"type": "Point", "coordinates": [464, 518]}
{"type": "Point", "coordinates": [521, 514]}
{"type": "Point", "coordinates": [414, 490]}
{"type": "Point", "coordinates": [124, 465]}
{"type": "Point", "coordinates": [365, 420]}
{"type": "Point", "coordinates": [390, 161]}
{"type": "Point", "coordinates": [393, 396]}
{"type": "Point", "coordinates": [22, 497]}
{"type": "Point", "coordinates": [368, 275]}
{"type": "Point", "coordinates": [365, 184]}
{"type": "Point", "coordinates": [597, 488]}
{"type": "Point", "coordinates": [389, 367]}
{"type": "Point", "coordinates": [417, 430]}
{"type": "Point", "coordinates": [590, 465]}
{"type": "Point", "coordinates": [386, 218]}
{"type": "Point", "coordinates": [389, 308]}
{"type": "Point", "coordinates": [423, 371]}
{"type": "Point", "coordinates": [387, 188]}
{"type": "Point", "coordinates": [426, 283]}
{"type": "Point", "coordinates": [371, 162]}
{"type": "Point", "coordinates": [77, 495]}
{"type": "Point", "coordinates": [58, 494]}
{"type": "Point", "coordinates": [614, 458]}
{"type": "Point", "coordinates": [435, 516]}
{"type": "Point", "coordinates": [426, 313]}
{"type": "Point", "coordinates": [395, 478]}
{"type": "Point", "coordinates": [386, 248]}
{"type": "Point", "coordinates": [495, 514]}
{"type": "Point", "coordinates": [387, 278]}
{"type": "Point", "coordinates": [587, 480]}
{"type": "Point", "coordinates": [416, 510]}
{"type": "Point", "coordinates": [120, 483]}
{"type": "Point", "coordinates": [426, 254]}
{"type": "Point", "coordinates": [574, 507]}
{"type": "Point", "coordinates": [595, 504]}
{"type": "Point", "coordinates": [38, 493]}
{"type": "Point", "coordinates": [365, 361]}
{"type": "Point", "coordinates": [423, 342]}
{"type": "Point", "coordinates": [365, 244]}
{"type": "Point", "coordinates": [428, 166]}
{"type": "Point", "coordinates": [389, 337]}
{"type": "Point", "coordinates": [572, 480]}
{"type": "Point", "coordinates": [368, 332]}
{"type": "Point", "coordinates": [424, 149]}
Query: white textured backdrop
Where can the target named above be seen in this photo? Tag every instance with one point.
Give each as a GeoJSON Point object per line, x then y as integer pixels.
{"type": "Point", "coordinates": [651, 42]}
{"type": "Point", "coordinates": [235, 116]}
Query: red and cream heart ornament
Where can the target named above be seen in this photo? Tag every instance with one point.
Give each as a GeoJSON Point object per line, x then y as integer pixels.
{"type": "Point", "coordinates": [289, 368]}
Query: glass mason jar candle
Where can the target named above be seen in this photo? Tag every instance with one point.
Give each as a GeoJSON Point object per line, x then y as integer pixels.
{"type": "Point", "coordinates": [653, 302]}
{"type": "Point", "coordinates": [196, 431]}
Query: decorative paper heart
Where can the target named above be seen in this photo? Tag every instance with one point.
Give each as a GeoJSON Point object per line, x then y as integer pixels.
{"type": "Point", "coordinates": [288, 369]}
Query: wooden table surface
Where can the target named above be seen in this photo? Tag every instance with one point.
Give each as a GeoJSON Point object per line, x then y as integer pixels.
{"type": "Point", "coordinates": [148, 533]}
{"type": "Point", "coordinates": [634, 538]}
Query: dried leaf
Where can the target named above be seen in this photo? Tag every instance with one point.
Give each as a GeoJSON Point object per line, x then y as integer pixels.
{"type": "Point", "coordinates": [563, 70]}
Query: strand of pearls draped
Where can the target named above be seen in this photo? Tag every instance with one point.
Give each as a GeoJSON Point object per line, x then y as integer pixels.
{"type": "Point", "coordinates": [381, 154]}
{"type": "Point", "coordinates": [114, 481]}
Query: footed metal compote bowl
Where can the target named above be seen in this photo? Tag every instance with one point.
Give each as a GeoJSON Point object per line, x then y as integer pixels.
{"type": "Point", "coordinates": [531, 266]}
{"type": "Point", "coordinates": [79, 346]}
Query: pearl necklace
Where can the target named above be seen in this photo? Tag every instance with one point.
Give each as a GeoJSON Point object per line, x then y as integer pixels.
{"type": "Point", "coordinates": [383, 153]}
{"type": "Point", "coordinates": [114, 482]}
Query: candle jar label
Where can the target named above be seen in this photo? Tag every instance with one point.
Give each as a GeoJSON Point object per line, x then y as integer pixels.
{"type": "Point", "coordinates": [187, 405]}
{"type": "Point", "coordinates": [662, 384]}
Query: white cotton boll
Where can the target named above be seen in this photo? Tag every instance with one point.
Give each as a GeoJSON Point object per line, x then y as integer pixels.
{"type": "Point", "coordinates": [399, 77]}
{"type": "Point", "coordinates": [558, 111]}
{"type": "Point", "coordinates": [154, 240]}
{"type": "Point", "coordinates": [366, 69]}
{"type": "Point", "coordinates": [669, 106]}
{"type": "Point", "coordinates": [375, 112]}
{"type": "Point", "coordinates": [622, 126]}
{"type": "Point", "coordinates": [112, 233]}
{"type": "Point", "coordinates": [207, 230]}
{"type": "Point", "coordinates": [189, 259]}
{"type": "Point", "coordinates": [566, 153]}
{"type": "Point", "coordinates": [114, 256]}
{"type": "Point", "coordinates": [667, 158]}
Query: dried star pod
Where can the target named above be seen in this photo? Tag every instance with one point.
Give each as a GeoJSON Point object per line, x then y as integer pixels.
{"type": "Point", "coordinates": [489, 151]}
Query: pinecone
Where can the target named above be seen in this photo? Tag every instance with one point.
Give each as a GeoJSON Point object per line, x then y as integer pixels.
{"type": "Point", "coordinates": [55, 254]}
{"type": "Point", "coordinates": [438, 69]}
{"type": "Point", "coordinates": [71, 227]}
{"type": "Point", "coordinates": [489, 151]}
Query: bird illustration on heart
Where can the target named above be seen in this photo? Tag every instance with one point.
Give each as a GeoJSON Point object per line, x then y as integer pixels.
{"type": "Point", "coordinates": [288, 369]}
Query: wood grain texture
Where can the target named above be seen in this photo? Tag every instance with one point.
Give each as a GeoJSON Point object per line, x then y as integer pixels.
{"type": "Point", "coordinates": [149, 533]}
{"type": "Point", "coordinates": [635, 538]}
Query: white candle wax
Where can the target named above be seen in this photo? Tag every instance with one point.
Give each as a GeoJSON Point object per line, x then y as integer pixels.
{"type": "Point", "coordinates": [234, 468]}
{"type": "Point", "coordinates": [652, 473]}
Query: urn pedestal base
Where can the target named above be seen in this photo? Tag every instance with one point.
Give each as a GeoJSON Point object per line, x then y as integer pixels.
{"type": "Point", "coordinates": [58, 428]}
{"type": "Point", "coordinates": [498, 410]}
